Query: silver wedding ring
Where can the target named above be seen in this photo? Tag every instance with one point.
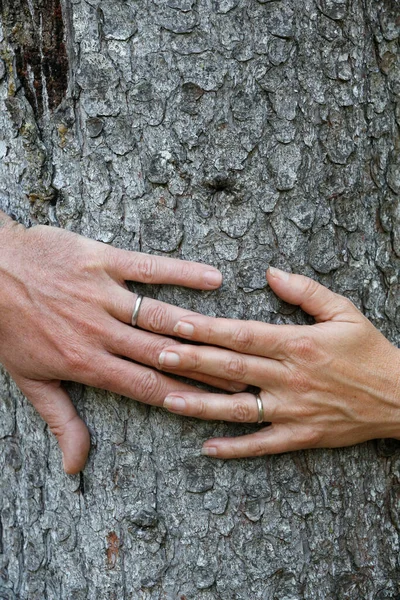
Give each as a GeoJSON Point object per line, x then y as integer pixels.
{"type": "Point", "coordinates": [136, 309]}
{"type": "Point", "coordinates": [260, 408]}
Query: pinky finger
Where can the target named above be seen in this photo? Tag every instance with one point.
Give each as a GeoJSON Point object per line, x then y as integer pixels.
{"type": "Point", "coordinates": [274, 439]}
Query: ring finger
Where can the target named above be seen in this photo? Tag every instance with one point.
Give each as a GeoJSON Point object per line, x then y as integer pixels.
{"type": "Point", "coordinates": [238, 408]}
{"type": "Point", "coordinates": [158, 317]}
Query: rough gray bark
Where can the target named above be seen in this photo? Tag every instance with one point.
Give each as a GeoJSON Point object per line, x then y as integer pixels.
{"type": "Point", "coordinates": [234, 132]}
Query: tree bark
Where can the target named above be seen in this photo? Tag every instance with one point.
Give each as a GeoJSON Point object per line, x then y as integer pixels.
{"type": "Point", "coordinates": [240, 133]}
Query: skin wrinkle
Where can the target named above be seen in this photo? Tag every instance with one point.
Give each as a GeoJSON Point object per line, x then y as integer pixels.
{"type": "Point", "coordinates": [322, 81]}
{"type": "Point", "coordinates": [333, 385]}
{"type": "Point", "coordinates": [53, 305]}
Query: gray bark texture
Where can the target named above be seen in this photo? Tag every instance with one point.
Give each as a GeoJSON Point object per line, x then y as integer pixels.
{"type": "Point", "coordinates": [240, 133]}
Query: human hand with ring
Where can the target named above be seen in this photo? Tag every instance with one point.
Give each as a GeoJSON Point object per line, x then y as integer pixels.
{"type": "Point", "coordinates": [331, 384]}
{"type": "Point", "coordinates": [66, 313]}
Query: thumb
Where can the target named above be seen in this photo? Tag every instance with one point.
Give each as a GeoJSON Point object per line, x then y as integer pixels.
{"type": "Point", "coordinates": [55, 407]}
{"type": "Point", "coordinates": [314, 298]}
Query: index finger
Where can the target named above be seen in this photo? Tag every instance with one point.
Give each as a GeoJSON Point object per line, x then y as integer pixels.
{"type": "Point", "coordinates": [247, 337]}
{"type": "Point", "coordinates": [147, 268]}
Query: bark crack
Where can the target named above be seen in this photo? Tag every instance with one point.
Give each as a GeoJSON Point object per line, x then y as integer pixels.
{"type": "Point", "coordinates": [35, 28]}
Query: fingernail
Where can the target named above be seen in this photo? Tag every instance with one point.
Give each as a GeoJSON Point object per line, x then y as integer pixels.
{"type": "Point", "coordinates": [209, 451]}
{"type": "Point", "coordinates": [238, 387]}
{"type": "Point", "coordinates": [174, 403]}
{"type": "Point", "coordinates": [279, 274]}
{"type": "Point", "coordinates": [213, 278]}
{"type": "Point", "coordinates": [184, 328]}
{"type": "Point", "coordinates": [169, 359]}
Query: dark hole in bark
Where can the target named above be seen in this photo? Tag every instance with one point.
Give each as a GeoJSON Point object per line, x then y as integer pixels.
{"type": "Point", "coordinates": [36, 30]}
{"type": "Point", "coordinates": [220, 182]}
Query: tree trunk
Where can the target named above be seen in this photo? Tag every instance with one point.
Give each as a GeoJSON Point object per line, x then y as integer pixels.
{"type": "Point", "coordinates": [240, 133]}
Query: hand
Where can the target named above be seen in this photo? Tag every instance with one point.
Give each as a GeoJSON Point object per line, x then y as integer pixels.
{"type": "Point", "coordinates": [65, 314]}
{"type": "Point", "coordinates": [334, 383]}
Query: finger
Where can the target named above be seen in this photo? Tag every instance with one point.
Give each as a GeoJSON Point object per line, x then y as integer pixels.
{"type": "Point", "coordinates": [314, 298]}
{"type": "Point", "coordinates": [247, 337]}
{"type": "Point", "coordinates": [146, 268]}
{"type": "Point", "coordinates": [218, 362]}
{"type": "Point", "coordinates": [132, 380]}
{"type": "Point", "coordinates": [155, 316]}
{"type": "Point", "coordinates": [238, 408]}
{"type": "Point", "coordinates": [145, 347]}
{"type": "Point", "coordinates": [55, 407]}
{"type": "Point", "coordinates": [274, 439]}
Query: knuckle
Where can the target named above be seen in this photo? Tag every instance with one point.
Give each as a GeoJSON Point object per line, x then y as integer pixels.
{"type": "Point", "coordinates": [310, 438]}
{"type": "Point", "coordinates": [101, 375]}
{"type": "Point", "coordinates": [311, 288]}
{"type": "Point", "coordinates": [157, 319]}
{"type": "Point", "coordinates": [146, 386]}
{"type": "Point", "coordinates": [75, 360]}
{"type": "Point", "coordinates": [208, 329]}
{"type": "Point", "coordinates": [117, 340]}
{"type": "Point", "coordinates": [209, 333]}
{"type": "Point", "coordinates": [117, 260]}
{"type": "Point", "coordinates": [242, 338]}
{"type": "Point", "coordinates": [241, 412]}
{"type": "Point", "coordinates": [186, 271]}
{"type": "Point", "coordinates": [88, 328]}
{"type": "Point", "coordinates": [200, 410]}
{"type": "Point", "coordinates": [195, 360]}
{"type": "Point", "coordinates": [344, 304]}
{"type": "Point", "coordinates": [59, 428]}
{"type": "Point", "coordinates": [92, 262]}
{"type": "Point", "coordinates": [299, 382]}
{"type": "Point", "coordinates": [146, 269]}
{"type": "Point", "coordinates": [235, 368]}
{"type": "Point", "coordinates": [302, 347]}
